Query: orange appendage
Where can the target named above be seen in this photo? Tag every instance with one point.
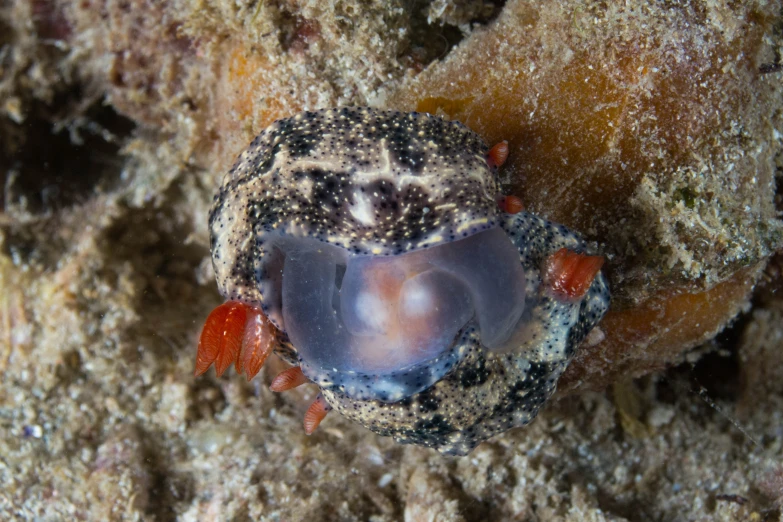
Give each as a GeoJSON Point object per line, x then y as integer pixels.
{"type": "Point", "coordinates": [288, 380]}
{"type": "Point", "coordinates": [511, 204]}
{"type": "Point", "coordinates": [569, 274]}
{"type": "Point", "coordinates": [257, 343]}
{"type": "Point", "coordinates": [315, 414]}
{"type": "Point", "coordinates": [235, 333]}
{"type": "Point", "coordinates": [498, 154]}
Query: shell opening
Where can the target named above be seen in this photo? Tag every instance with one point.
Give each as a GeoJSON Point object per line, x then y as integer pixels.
{"type": "Point", "coordinates": [374, 314]}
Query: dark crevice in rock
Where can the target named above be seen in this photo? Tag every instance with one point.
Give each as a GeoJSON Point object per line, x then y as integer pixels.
{"type": "Point", "coordinates": [432, 40]}
{"type": "Point", "coordinates": [53, 167]}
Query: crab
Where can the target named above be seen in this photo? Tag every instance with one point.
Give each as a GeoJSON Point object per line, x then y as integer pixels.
{"type": "Point", "coordinates": [373, 251]}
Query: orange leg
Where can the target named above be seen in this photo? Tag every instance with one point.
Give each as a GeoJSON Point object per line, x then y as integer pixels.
{"type": "Point", "coordinates": [235, 333]}
{"type": "Point", "coordinates": [293, 377]}
{"type": "Point", "coordinates": [511, 204]}
{"type": "Point", "coordinates": [498, 154]}
{"type": "Point", "coordinates": [257, 343]}
{"type": "Point", "coordinates": [288, 380]}
{"type": "Point", "coordinates": [315, 414]}
{"type": "Point", "coordinates": [496, 157]}
{"type": "Point", "coordinates": [569, 275]}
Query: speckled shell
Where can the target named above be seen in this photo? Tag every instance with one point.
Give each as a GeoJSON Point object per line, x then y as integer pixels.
{"type": "Point", "coordinates": [488, 393]}
{"type": "Point", "coordinates": [374, 182]}
{"type": "Point", "coordinates": [385, 183]}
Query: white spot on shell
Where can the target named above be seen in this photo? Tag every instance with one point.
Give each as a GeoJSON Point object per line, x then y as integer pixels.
{"type": "Point", "coordinates": [362, 210]}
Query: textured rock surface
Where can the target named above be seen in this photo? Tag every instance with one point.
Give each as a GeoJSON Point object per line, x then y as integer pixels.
{"type": "Point", "coordinates": [653, 131]}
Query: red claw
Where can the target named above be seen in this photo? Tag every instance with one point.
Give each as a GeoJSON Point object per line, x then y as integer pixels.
{"type": "Point", "coordinates": [569, 274]}
{"type": "Point", "coordinates": [235, 333]}
{"type": "Point", "coordinates": [241, 334]}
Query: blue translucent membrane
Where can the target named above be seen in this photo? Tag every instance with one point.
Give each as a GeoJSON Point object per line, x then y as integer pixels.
{"type": "Point", "coordinates": [372, 314]}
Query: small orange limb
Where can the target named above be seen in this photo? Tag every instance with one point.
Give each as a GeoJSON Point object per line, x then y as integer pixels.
{"type": "Point", "coordinates": [570, 274]}
{"type": "Point", "coordinates": [235, 333]}
{"type": "Point", "coordinates": [288, 380]}
{"type": "Point", "coordinates": [257, 343]}
{"type": "Point", "coordinates": [315, 414]}
{"type": "Point", "coordinates": [498, 154]}
{"type": "Point", "coordinates": [511, 204]}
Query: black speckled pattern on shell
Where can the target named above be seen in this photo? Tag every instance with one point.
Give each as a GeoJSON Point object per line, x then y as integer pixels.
{"type": "Point", "coordinates": [385, 183]}
{"type": "Point", "coordinates": [372, 181]}
{"type": "Point", "coordinates": [488, 393]}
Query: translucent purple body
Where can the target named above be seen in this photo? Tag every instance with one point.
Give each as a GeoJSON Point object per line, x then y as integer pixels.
{"type": "Point", "coordinates": [373, 314]}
